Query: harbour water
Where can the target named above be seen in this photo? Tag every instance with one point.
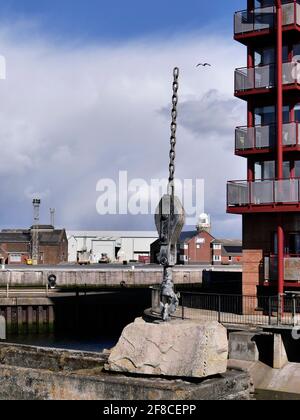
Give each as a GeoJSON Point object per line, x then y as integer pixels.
{"type": "Point", "coordinates": [275, 396]}
{"type": "Point", "coordinates": [71, 342]}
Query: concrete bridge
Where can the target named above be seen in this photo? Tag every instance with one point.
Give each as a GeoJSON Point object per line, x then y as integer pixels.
{"type": "Point", "coordinates": [139, 277]}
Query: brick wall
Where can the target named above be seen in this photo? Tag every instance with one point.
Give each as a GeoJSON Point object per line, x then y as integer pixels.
{"type": "Point", "coordinates": [199, 249]}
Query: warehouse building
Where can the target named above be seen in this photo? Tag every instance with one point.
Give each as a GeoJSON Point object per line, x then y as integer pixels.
{"type": "Point", "coordinates": [118, 246]}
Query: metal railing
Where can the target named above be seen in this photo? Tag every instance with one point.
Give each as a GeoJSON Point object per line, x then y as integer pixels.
{"type": "Point", "coordinates": [236, 309]}
{"type": "Point", "coordinates": [264, 77]}
{"type": "Point", "coordinates": [264, 136]}
{"type": "Point", "coordinates": [259, 19]}
{"type": "Point", "coordinates": [241, 193]}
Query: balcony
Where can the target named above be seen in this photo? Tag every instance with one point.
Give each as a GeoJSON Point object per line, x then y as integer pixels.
{"type": "Point", "coordinates": [261, 79]}
{"type": "Point", "coordinates": [262, 139]}
{"type": "Point", "coordinates": [263, 196]}
{"type": "Point", "coordinates": [261, 21]}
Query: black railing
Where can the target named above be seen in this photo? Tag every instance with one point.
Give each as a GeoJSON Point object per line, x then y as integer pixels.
{"type": "Point", "coordinates": [236, 309]}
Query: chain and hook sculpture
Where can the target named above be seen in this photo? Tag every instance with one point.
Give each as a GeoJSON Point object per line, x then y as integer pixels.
{"type": "Point", "coordinates": [169, 220]}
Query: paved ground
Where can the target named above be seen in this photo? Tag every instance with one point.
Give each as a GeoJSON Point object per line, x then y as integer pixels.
{"type": "Point", "coordinates": [106, 267]}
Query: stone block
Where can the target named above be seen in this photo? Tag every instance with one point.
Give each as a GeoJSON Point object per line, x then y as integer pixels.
{"type": "Point", "coordinates": [174, 349]}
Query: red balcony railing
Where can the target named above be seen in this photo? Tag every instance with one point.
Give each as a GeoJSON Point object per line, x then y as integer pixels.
{"type": "Point", "coordinates": [263, 192]}
{"type": "Point", "coordinates": [264, 77]}
{"type": "Point", "coordinates": [264, 137]}
{"type": "Point", "coordinates": [260, 19]}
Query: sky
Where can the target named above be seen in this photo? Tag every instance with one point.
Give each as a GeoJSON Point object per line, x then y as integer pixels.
{"type": "Point", "coordinates": [87, 94]}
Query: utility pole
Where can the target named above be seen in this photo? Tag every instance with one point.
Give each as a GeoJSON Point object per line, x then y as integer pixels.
{"type": "Point", "coordinates": [35, 231]}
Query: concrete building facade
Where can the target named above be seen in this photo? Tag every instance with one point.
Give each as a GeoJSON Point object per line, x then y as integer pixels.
{"type": "Point", "coordinates": [118, 246]}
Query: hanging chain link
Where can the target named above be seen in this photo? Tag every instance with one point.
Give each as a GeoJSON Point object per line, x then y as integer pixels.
{"type": "Point", "coordinates": [174, 125]}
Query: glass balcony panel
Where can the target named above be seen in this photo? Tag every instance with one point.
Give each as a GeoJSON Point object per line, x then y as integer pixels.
{"type": "Point", "coordinates": [290, 73]}
{"type": "Point", "coordinates": [244, 79]}
{"type": "Point", "coordinates": [262, 192]}
{"type": "Point", "coordinates": [238, 193]}
{"type": "Point", "coordinates": [291, 268]}
{"type": "Point", "coordinates": [264, 77]}
{"type": "Point", "coordinates": [288, 14]}
{"type": "Point", "coordinates": [264, 18]}
{"type": "Point", "coordinates": [286, 191]}
{"type": "Point", "coordinates": [265, 136]}
{"type": "Point", "coordinates": [243, 22]}
{"type": "Point", "coordinates": [298, 13]}
{"type": "Point", "coordinates": [289, 137]}
{"type": "Point", "coordinates": [244, 138]}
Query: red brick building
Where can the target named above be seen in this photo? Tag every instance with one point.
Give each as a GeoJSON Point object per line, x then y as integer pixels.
{"type": "Point", "coordinates": [16, 245]}
{"type": "Point", "coordinates": [200, 247]}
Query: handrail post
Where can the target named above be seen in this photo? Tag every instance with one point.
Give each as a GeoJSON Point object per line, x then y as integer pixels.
{"type": "Point", "coordinates": [279, 311]}
{"type": "Point", "coordinates": [294, 310]}
{"type": "Point", "coordinates": [270, 310]}
{"type": "Point", "coordinates": [219, 309]}
{"type": "Point", "coordinates": [182, 307]}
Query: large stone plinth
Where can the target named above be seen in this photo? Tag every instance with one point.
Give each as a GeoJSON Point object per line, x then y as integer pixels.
{"type": "Point", "coordinates": [178, 348]}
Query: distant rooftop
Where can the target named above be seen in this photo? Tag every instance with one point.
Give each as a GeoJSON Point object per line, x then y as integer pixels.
{"type": "Point", "coordinates": [111, 234]}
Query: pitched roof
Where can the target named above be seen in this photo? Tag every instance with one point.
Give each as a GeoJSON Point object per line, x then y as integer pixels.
{"type": "Point", "coordinates": [228, 242]}
{"type": "Point", "coordinates": [232, 251]}
{"type": "Point", "coordinates": [186, 236]}
{"type": "Point", "coordinates": [14, 237]}
{"type": "Point", "coordinates": [52, 237]}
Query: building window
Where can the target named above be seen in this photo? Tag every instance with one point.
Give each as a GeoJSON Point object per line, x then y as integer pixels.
{"type": "Point", "coordinates": [294, 244]}
{"type": "Point", "coordinates": [217, 247]}
{"type": "Point", "coordinates": [230, 259]}
{"type": "Point", "coordinates": [217, 258]}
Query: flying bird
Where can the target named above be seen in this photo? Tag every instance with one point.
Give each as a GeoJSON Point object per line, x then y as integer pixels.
{"type": "Point", "coordinates": [204, 65]}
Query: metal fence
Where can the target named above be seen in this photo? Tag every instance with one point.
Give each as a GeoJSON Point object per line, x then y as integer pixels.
{"type": "Point", "coordinates": [236, 309]}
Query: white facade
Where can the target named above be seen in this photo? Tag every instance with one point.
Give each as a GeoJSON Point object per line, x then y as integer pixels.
{"type": "Point", "coordinates": [119, 246]}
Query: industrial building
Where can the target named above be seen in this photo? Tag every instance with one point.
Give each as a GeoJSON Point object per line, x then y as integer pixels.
{"type": "Point", "coordinates": [16, 245]}
{"type": "Point", "coordinates": [118, 246]}
{"type": "Point", "coordinates": [269, 198]}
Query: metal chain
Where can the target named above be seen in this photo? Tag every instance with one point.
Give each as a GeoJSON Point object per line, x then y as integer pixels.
{"type": "Point", "coordinates": [174, 125]}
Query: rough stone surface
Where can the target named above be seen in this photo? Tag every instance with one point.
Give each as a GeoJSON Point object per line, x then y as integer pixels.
{"type": "Point", "coordinates": [174, 349]}
{"type": "Point", "coordinates": [31, 373]}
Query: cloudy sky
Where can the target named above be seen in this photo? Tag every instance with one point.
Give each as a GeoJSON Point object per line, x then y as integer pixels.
{"type": "Point", "coordinates": [87, 95]}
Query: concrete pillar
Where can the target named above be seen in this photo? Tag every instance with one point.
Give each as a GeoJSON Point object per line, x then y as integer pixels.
{"type": "Point", "coordinates": [2, 328]}
{"type": "Point", "coordinates": [280, 358]}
